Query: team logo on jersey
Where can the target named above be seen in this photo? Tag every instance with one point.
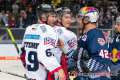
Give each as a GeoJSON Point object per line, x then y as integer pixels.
{"type": "Point", "coordinates": [60, 31]}
{"type": "Point", "coordinates": [72, 42]}
{"type": "Point", "coordinates": [43, 28]}
{"type": "Point", "coordinates": [50, 41]}
{"type": "Point", "coordinates": [72, 74]}
{"type": "Point", "coordinates": [84, 37]}
{"type": "Point", "coordinates": [115, 55]}
{"type": "Point", "coordinates": [101, 41]}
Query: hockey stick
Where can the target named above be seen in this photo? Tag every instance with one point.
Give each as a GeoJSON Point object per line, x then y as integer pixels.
{"type": "Point", "coordinates": [12, 74]}
{"type": "Point", "coordinates": [10, 33]}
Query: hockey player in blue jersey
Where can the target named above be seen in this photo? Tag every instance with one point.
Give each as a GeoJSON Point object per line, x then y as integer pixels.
{"type": "Point", "coordinates": [114, 49]}
{"type": "Point", "coordinates": [92, 54]}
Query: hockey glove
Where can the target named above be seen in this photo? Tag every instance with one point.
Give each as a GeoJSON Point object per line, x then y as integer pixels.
{"type": "Point", "coordinates": [78, 66]}
{"type": "Point", "coordinates": [81, 54]}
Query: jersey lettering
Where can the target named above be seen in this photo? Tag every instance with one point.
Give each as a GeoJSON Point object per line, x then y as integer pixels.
{"type": "Point", "coordinates": [31, 45]}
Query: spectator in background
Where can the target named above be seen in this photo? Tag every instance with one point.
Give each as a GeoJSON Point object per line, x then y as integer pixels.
{"type": "Point", "coordinates": [101, 14]}
{"type": "Point", "coordinates": [115, 15]}
{"type": "Point", "coordinates": [30, 15]}
{"type": "Point", "coordinates": [18, 2]}
{"type": "Point", "coordinates": [113, 8]}
{"type": "Point", "coordinates": [8, 15]}
{"type": "Point", "coordinates": [97, 6]}
{"type": "Point", "coordinates": [101, 20]}
{"type": "Point", "coordinates": [26, 20]}
{"type": "Point", "coordinates": [23, 4]}
{"type": "Point", "coordinates": [100, 24]}
{"type": "Point", "coordinates": [108, 17]}
{"type": "Point", "coordinates": [20, 23]}
{"type": "Point", "coordinates": [22, 12]}
{"type": "Point", "coordinates": [3, 15]}
{"type": "Point", "coordinates": [12, 22]}
{"type": "Point", "coordinates": [30, 5]}
{"type": "Point", "coordinates": [16, 15]}
{"type": "Point", "coordinates": [102, 9]}
{"type": "Point", "coordinates": [15, 6]}
{"type": "Point", "coordinates": [76, 5]}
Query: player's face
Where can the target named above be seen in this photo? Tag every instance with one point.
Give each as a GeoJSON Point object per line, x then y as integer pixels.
{"type": "Point", "coordinates": [43, 17]}
{"type": "Point", "coordinates": [80, 22]}
{"type": "Point", "coordinates": [66, 19]}
{"type": "Point", "coordinates": [117, 28]}
{"type": "Point", "coordinates": [52, 19]}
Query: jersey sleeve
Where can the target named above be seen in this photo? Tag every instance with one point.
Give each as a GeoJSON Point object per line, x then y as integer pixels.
{"type": "Point", "coordinates": [71, 41]}
{"type": "Point", "coordinates": [45, 55]}
{"type": "Point", "coordinates": [98, 48]}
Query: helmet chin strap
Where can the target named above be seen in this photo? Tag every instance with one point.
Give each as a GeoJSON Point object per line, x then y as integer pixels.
{"type": "Point", "coordinates": [84, 26]}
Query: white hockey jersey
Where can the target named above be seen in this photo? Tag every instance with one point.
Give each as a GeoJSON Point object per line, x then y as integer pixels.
{"type": "Point", "coordinates": [38, 41]}
{"type": "Point", "coordinates": [70, 40]}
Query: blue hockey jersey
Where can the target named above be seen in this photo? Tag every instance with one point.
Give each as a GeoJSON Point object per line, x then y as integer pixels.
{"type": "Point", "coordinates": [114, 50]}
{"type": "Point", "coordinates": [96, 45]}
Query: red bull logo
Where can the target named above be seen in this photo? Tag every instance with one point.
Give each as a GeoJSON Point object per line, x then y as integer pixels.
{"type": "Point", "coordinates": [115, 55]}
{"type": "Point", "coordinates": [101, 41]}
{"type": "Point", "coordinates": [88, 9]}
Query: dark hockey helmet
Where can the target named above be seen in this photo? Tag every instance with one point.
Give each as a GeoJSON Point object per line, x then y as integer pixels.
{"type": "Point", "coordinates": [46, 9]}
{"type": "Point", "coordinates": [63, 10]}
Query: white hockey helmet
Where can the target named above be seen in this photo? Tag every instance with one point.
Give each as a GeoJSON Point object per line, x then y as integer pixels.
{"type": "Point", "coordinates": [90, 12]}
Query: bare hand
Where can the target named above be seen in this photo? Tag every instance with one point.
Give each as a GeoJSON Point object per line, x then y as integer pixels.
{"type": "Point", "coordinates": [60, 43]}
{"type": "Point", "coordinates": [61, 74]}
{"type": "Point", "coordinates": [0, 24]}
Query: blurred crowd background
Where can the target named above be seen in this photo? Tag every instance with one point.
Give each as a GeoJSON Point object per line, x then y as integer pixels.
{"type": "Point", "coordinates": [21, 13]}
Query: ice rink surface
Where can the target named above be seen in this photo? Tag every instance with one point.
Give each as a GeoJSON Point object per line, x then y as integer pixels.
{"type": "Point", "coordinates": [13, 66]}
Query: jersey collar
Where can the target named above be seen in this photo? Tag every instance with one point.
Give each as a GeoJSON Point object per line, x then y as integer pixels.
{"type": "Point", "coordinates": [59, 25]}
{"type": "Point", "coordinates": [40, 23]}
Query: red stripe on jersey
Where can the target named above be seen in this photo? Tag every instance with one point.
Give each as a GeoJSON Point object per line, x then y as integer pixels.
{"type": "Point", "coordinates": [55, 70]}
{"type": "Point", "coordinates": [64, 66]}
{"type": "Point", "coordinates": [23, 59]}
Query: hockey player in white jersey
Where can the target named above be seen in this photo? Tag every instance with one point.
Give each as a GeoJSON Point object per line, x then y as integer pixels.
{"type": "Point", "coordinates": [38, 42]}
{"type": "Point", "coordinates": [68, 37]}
